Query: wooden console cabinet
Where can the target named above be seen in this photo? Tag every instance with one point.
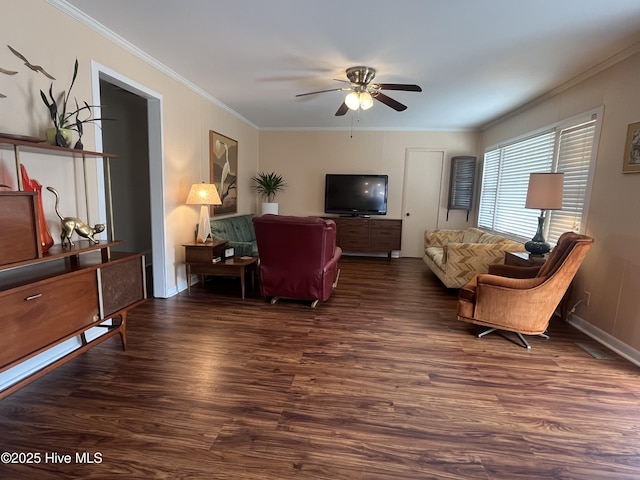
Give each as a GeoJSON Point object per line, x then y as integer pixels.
{"type": "Point", "coordinates": [368, 235]}
{"type": "Point", "coordinates": [49, 298]}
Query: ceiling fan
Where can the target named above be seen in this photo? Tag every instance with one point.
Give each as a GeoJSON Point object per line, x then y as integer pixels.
{"type": "Point", "coordinates": [363, 92]}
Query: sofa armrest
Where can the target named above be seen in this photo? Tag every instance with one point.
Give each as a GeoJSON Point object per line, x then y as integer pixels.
{"type": "Point", "coordinates": [440, 238]}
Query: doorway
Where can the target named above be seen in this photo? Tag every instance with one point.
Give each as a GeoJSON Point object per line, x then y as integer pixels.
{"type": "Point", "coordinates": [134, 135]}
{"type": "Point", "coordinates": [420, 198]}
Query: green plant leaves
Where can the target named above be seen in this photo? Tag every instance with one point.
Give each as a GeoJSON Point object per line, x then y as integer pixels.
{"type": "Point", "coordinates": [268, 184]}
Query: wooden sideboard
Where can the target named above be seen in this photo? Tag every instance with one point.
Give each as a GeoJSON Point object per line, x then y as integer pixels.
{"type": "Point", "coordinates": [368, 235]}
{"type": "Point", "coordinates": [48, 298]}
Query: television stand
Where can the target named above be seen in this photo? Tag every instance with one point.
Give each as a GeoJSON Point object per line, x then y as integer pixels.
{"type": "Point", "coordinates": [359, 234]}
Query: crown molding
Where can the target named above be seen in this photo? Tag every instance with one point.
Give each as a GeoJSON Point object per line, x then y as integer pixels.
{"type": "Point", "coordinates": [572, 82]}
{"type": "Point", "coordinates": [89, 22]}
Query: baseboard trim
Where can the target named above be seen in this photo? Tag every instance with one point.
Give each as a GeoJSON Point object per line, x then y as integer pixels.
{"type": "Point", "coordinates": [604, 338]}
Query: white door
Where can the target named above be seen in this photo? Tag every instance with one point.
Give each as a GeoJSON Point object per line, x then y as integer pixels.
{"type": "Point", "coordinates": [420, 198]}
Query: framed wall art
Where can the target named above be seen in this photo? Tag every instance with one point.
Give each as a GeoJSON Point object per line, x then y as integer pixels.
{"type": "Point", "coordinates": [223, 172]}
{"type": "Point", "coordinates": [632, 149]}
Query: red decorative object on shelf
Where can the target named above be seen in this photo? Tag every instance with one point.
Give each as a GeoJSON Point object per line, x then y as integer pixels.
{"type": "Point", "coordinates": [31, 185]}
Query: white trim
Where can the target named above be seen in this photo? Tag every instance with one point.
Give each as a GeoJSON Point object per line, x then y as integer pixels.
{"type": "Point", "coordinates": [118, 40]}
{"type": "Point", "coordinates": [156, 166]}
{"type": "Point", "coordinates": [598, 111]}
{"type": "Point", "coordinates": [602, 337]}
{"type": "Point", "coordinates": [370, 129]}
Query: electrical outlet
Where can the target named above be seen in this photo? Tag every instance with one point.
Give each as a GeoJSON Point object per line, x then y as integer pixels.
{"type": "Point", "coordinates": [587, 298]}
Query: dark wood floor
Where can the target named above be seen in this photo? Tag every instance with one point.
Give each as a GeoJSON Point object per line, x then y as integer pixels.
{"type": "Point", "coordinates": [380, 382]}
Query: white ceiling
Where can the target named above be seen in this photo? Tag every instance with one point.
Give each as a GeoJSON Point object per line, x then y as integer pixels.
{"type": "Point", "coordinates": [475, 60]}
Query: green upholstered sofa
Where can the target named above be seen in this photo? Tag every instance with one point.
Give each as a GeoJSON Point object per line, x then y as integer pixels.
{"type": "Point", "coordinates": [238, 231]}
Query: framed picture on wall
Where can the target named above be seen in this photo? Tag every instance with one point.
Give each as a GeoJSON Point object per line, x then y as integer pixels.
{"type": "Point", "coordinates": [632, 149]}
{"type": "Point", "coordinates": [223, 172]}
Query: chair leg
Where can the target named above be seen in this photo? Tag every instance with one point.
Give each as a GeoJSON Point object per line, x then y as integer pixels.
{"type": "Point", "coordinates": [335, 283]}
{"type": "Point", "coordinates": [523, 341]}
{"type": "Point", "coordinates": [487, 332]}
{"type": "Point", "coordinates": [525, 344]}
{"type": "Point", "coordinates": [314, 303]}
{"type": "Point", "coordinates": [274, 300]}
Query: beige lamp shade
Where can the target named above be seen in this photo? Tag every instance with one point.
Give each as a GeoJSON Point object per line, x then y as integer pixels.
{"type": "Point", "coordinates": [204, 194]}
{"type": "Point", "coordinates": [545, 191]}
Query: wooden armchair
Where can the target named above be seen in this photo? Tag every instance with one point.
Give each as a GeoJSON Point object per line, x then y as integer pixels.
{"type": "Point", "coordinates": [523, 299]}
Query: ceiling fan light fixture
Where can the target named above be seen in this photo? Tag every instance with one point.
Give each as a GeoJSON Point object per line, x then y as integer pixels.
{"type": "Point", "coordinates": [352, 101]}
{"type": "Point", "coordinates": [356, 100]}
{"type": "Point", "coordinates": [366, 101]}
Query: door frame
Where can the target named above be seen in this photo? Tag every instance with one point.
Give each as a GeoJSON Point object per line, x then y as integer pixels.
{"type": "Point", "coordinates": [156, 166]}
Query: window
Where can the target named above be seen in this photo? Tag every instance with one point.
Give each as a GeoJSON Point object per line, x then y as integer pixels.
{"type": "Point", "coordinates": [564, 148]}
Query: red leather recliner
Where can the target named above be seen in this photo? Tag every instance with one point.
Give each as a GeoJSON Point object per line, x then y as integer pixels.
{"type": "Point", "coordinates": [298, 257]}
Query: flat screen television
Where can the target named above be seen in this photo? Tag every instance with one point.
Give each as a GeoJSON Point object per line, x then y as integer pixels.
{"type": "Point", "coordinates": [356, 194]}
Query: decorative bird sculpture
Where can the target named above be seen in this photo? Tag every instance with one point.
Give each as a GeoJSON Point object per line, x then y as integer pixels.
{"type": "Point", "coordinates": [35, 68]}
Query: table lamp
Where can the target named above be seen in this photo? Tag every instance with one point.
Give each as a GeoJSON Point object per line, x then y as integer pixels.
{"type": "Point", "coordinates": [545, 193]}
{"type": "Point", "coordinates": [203, 194]}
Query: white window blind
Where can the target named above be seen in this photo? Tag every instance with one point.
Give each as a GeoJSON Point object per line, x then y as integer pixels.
{"type": "Point", "coordinates": [574, 159]}
{"type": "Point", "coordinates": [505, 212]}
{"type": "Point", "coordinates": [505, 181]}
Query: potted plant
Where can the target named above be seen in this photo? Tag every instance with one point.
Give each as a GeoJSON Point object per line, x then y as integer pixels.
{"type": "Point", "coordinates": [66, 119]}
{"type": "Point", "coordinates": [267, 185]}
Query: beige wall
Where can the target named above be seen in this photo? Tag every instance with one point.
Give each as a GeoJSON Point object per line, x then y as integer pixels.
{"type": "Point", "coordinates": [304, 157]}
{"type": "Point", "coordinates": [49, 37]}
{"type": "Point", "coordinates": [611, 271]}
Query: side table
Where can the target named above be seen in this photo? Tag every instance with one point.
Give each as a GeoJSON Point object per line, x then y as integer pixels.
{"type": "Point", "coordinates": [199, 261]}
{"type": "Point", "coordinates": [523, 259]}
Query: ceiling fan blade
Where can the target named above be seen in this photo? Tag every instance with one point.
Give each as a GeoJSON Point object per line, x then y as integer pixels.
{"type": "Point", "coordinates": [398, 86]}
{"type": "Point", "coordinates": [322, 91]}
{"type": "Point", "coordinates": [342, 110]}
{"type": "Point", "coordinates": [390, 102]}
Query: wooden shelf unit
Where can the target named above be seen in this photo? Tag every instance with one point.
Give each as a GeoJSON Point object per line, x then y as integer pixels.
{"type": "Point", "coordinates": [49, 298]}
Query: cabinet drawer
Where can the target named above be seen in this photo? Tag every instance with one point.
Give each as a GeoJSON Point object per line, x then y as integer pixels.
{"type": "Point", "coordinates": [351, 229]}
{"type": "Point", "coordinates": [121, 284]}
{"type": "Point", "coordinates": [350, 242]}
{"type": "Point", "coordinates": [37, 315]}
{"type": "Point", "coordinates": [386, 234]}
{"type": "Point", "coordinates": [386, 239]}
{"type": "Point", "coordinates": [386, 225]}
